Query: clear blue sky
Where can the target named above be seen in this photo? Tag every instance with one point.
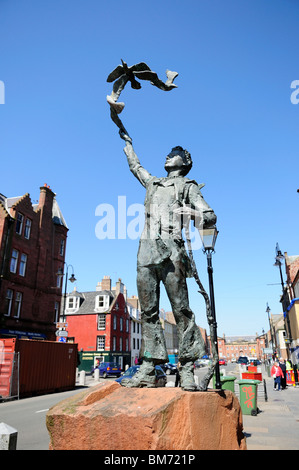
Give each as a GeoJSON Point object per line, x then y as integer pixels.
{"type": "Point", "coordinates": [232, 110]}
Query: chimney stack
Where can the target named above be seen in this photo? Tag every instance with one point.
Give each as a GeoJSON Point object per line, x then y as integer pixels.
{"type": "Point", "coordinates": [105, 284]}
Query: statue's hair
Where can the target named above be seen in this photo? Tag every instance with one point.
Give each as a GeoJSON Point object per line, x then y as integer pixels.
{"type": "Point", "coordinates": [187, 156]}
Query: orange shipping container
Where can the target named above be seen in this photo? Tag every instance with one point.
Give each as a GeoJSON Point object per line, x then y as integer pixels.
{"type": "Point", "coordinates": [45, 366]}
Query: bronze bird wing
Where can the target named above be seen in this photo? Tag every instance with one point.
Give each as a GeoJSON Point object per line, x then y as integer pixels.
{"type": "Point", "coordinates": [116, 73]}
{"type": "Point", "coordinates": [154, 79]}
{"type": "Point", "coordinates": [119, 70]}
{"type": "Point", "coordinates": [142, 66]}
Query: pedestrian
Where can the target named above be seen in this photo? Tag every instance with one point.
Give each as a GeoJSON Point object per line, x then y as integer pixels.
{"type": "Point", "coordinates": [276, 373]}
{"type": "Point", "coordinates": [283, 367]}
{"type": "Point", "coordinates": [177, 375]}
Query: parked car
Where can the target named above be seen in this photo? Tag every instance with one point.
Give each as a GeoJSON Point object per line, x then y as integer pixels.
{"type": "Point", "coordinates": [198, 363]}
{"type": "Point", "coordinates": [222, 362]}
{"type": "Point", "coordinates": [169, 368]}
{"type": "Point", "coordinates": [108, 369]}
{"type": "Point", "coordinates": [161, 378]}
{"type": "Point", "coordinates": [254, 362]}
{"type": "Point", "coordinates": [204, 361]}
{"type": "Point", "coordinates": [233, 360]}
{"type": "Point", "coordinates": [243, 360]}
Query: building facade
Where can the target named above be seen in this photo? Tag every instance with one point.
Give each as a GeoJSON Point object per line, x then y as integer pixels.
{"type": "Point", "coordinates": [99, 322]}
{"type": "Point", "coordinates": [291, 312]}
{"type": "Point", "coordinates": [32, 257]}
{"type": "Point", "coordinates": [232, 347]}
{"type": "Point", "coordinates": [135, 328]}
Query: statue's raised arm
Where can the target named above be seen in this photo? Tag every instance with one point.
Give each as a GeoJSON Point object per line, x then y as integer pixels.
{"type": "Point", "coordinates": [134, 164]}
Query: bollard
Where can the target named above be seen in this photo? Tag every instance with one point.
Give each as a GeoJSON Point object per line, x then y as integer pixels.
{"type": "Point", "coordinates": [82, 378]}
{"type": "Point", "coordinates": [96, 374]}
{"type": "Point", "coordinates": [8, 437]}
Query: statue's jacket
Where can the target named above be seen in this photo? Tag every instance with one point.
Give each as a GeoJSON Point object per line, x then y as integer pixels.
{"type": "Point", "coordinates": [170, 203]}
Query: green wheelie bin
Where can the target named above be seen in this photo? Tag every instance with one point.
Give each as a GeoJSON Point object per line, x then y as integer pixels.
{"type": "Point", "coordinates": [248, 396]}
{"type": "Point", "coordinates": [228, 382]}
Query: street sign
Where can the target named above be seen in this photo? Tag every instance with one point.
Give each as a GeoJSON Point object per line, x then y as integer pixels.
{"type": "Point", "coordinates": [61, 333]}
{"type": "Point", "coordinates": [61, 324]}
{"type": "Point", "coordinates": [62, 340]}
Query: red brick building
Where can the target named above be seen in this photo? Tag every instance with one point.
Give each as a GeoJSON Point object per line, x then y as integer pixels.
{"type": "Point", "coordinates": [231, 347]}
{"type": "Point", "coordinates": [32, 253]}
{"type": "Point", "coordinates": [99, 323]}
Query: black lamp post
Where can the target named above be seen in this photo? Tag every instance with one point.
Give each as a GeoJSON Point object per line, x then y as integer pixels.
{"type": "Point", "coordinates": [209, 237]}
{"type": "Point", "coordinates": [268, 310]}
{"type": "Point", "coordinates": [72, 279]}
{"type": "Point", "coordinates": [278, 262]}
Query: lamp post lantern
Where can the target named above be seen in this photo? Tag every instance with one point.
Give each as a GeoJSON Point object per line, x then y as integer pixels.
{"type": "Point", "coordinates": [209, 237]}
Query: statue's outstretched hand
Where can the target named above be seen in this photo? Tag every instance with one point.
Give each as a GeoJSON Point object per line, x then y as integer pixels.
{"type": "Point", "coordinates": [125, 136]}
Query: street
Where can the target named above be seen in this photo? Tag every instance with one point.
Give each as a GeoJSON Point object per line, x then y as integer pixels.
{"type": "Point", "coordinates": [28, 415]}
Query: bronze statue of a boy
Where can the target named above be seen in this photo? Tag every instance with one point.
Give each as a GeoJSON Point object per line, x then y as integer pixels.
{"type": "Point", "coordinates": [162, 257]}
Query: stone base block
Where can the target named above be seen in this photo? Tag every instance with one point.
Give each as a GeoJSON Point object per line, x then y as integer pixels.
{"type": "Point", "coordinates": [112, 417]}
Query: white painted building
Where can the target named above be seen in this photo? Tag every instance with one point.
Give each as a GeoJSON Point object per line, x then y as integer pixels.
{"type": "Point", "coordinates": [135, 321]}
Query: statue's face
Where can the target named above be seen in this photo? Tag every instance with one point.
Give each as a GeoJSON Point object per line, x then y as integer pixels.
{"type": "Point", "coordinates": [175, 160]}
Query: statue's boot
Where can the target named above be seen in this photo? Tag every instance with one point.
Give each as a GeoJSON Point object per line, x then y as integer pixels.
{"type": "Point", "coordinates": [187, 377]}
{"type": "Point", "coordinates": [144, 377]}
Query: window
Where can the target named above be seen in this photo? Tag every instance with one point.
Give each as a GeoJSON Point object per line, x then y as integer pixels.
{"type": "Point", "coordinates": [121, 324]}
{"type": "Point", "coordinates": [120, 344]}
{"type": "Point", "coordinates": [114, 322]}
{"type": "Point", "coordinates": [127, 325]}
{"type": "Point", "coordinates": [61, 249]}
{"type": "Point", "coordinates": [101, 343]}
{"type": "Point", "coordinates": [27, 229]}
{"type": "Point", "coordinates": [102, 322]}
{"type": "Point", "coordinates": [19, 224]}
{"type": "Point", "coordinates": [8, 302]}
{"type": "Point", "coordinates": [72, 304]}
{"type": "Point", "coordinates": [23, 262]}
{"type": "Point", "coordinates": [114, 343]}
{"type": "Point", "coordinates": [14, 261]}
{"type": "Point", "coordinates": [18, 304]}
{"type": "Point", "coordinates": [101, 303]}
{"type": "Point", "coordinates": [59, 278]}
{"type": "Point", "coordinates": [56, 312]}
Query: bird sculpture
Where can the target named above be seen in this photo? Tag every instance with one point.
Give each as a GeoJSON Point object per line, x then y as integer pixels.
{"type": "Point", "coordinates": [122, 74]}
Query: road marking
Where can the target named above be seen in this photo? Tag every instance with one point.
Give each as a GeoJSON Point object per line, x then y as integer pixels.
{"type": "Point", "coordinates": [42, 411]}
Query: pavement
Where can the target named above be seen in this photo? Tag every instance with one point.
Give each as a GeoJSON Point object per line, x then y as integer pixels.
{"type": "Point", "coordinates": [276, 425]}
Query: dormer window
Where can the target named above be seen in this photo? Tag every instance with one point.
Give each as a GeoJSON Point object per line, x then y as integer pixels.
{"type": "Point", "coordinates": [73, 304]}
{"type": "Point", "coordinates": [101, 303]}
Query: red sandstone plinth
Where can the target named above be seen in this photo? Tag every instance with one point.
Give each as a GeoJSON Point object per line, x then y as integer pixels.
{"type": "Point", "coordinates": [112, 417]}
